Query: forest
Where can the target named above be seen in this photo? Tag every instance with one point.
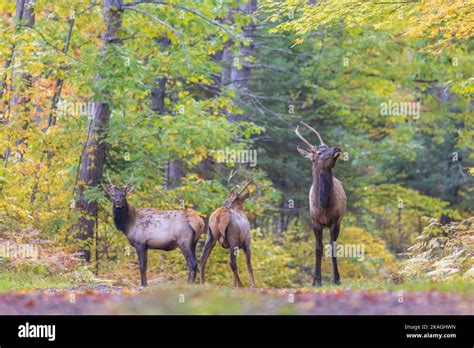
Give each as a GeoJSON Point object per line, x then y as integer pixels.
{"type": "Point", "coordinates": [185, 103]}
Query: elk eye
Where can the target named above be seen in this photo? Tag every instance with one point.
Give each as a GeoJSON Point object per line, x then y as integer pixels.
{"type": "Point", "coordinates": [318, 153]}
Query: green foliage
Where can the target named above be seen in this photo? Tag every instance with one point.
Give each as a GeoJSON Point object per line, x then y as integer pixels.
{"type": "Point", "coordinates": [346, 66]}
{"type": "Point", "coordinates": [17, 276]}
{"type": "Point", "coordinates": [333, 64]}
{"type": "Point", "coordinates": [398, 211]}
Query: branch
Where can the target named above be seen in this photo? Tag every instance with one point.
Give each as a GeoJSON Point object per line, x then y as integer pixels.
{"type": "Point", "coordinates": [269, 48]}
{"type": "Point", "coordinates": [177, 33]}
{"type": "Point", "coordinates": [193, 11]}
{"type": "Point", "coordinates": [62, 51]}
{"type": "Point", "coordinates": [92, 5]}
{"type": "Point", "coordinates": [266, 66]}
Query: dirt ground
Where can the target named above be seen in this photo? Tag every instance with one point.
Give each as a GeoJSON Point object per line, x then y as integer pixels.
{"type": "Point", "coordinates": [181, 299]}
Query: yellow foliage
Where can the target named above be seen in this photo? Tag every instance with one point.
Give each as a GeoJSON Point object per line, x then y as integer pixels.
{"type": "Point", "coordinates": [364, 256]}
{"type": "Point", "coordinates": [442, 252]}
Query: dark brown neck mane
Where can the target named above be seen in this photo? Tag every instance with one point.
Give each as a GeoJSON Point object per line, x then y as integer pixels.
{"type": "Point", "coordinates": [122, 216]}
{"type": "Point", "coordinates": [322, 186]}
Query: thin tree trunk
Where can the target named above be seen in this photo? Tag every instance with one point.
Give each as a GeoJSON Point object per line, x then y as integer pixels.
{"type": "Point", "coordinates": [93, 156]}
{"type": "Point", "coordinates": [97, 255]}
{"type": "Point", "coordinates": [18, 104]}
{"type": "Point", "coordinates": [235, 71]}
{"type": "Point", "coordinates": [174, 168]}
{"type": "Point", "coordinates": [19, 101]}
{"type": "Point", "coordinates": [237, 68]}
{"type": "Point", "coordinates": [399, 228]}
{"type": "Point", "coordinates": [20, 4]}
{"type": "Point", "coordinates": [157, 95]}
{"type": "Point", "coordinates": [54, 105]}
{"type": "Point", "coordinates": [60, 82]}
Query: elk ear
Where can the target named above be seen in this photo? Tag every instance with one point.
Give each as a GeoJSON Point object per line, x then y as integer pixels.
{"type": "Point", "coordinates": [229, 201]}
{"type": "Point", "coordinates": [304, 153]}
{"type": "Point", "coordinates": [110, 190]}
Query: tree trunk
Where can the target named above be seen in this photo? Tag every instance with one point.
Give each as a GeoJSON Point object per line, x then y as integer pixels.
{"type": "Point", "coordinates": [157, 95]}
{"type": "Point", "coordinates": [235, 71]}
{"type": "Point", "coordinates": [93, 156]}
{"type": "Point", "coordinates": [240, 73]}
{"type": "Point", "coordinates": [237, 68]}
{"type": "Point", "coordinates": [24, 13]}
{"type": "Point", "coordinates": [174, 168]}
{"type": "Point", "coordinates": [20, 82]}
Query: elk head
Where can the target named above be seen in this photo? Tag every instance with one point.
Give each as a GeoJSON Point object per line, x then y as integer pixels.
{"type": "Point", "coordinates": [119, 193]}
{"type": "Point", "coordinates": [323, 156]}
{"type": "Point", "coordinates": [236, 199]}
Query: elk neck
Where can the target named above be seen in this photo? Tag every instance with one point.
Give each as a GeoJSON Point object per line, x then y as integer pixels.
{"type": "Point", "coordinates": [239, 206]}
{"type": "Point", "coordinates": [322, 186]}
{"type": "Point", "coordinates": [123, 216]}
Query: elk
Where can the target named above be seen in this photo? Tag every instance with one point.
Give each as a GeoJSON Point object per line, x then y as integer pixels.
{"type": "Point", "coordinates": [327, 199]}
{"type": "Point", "coordinates": [147, 228]}
{"type": "Point", "coordinates": [229, 226]}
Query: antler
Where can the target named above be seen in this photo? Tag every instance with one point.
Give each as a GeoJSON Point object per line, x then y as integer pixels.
{"type": "Point", "coordinates": [231, 175]}
{"type": "Point", "coordinates": [302, 138]}
{"type": "Point", "coordinates": [321, 142]}
{"type": "Point", "coordinates": [108, 178]}
{"type": "Point", "coordinates": [246, 185]}
{"type": "Point", "coordinates": [129, 182]}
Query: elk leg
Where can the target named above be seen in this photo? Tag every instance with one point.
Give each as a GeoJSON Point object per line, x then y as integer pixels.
{"type": "Point", "coordinates": [233, 265]}
{"type": "Point", "coordinates": [190, 260]}
{"type": "Point", "coordinates": [195, 262]}
{"type": "Point", "coordinates": [210, 243]}
{"type": "Point", "coordinates": [334, 234]}
{"type": "Point", "coordinates": [249, 264]}
{"type": "Point", "coordinates": [318, 233]}
{"type": "Point", "coordinates": [142, 252]}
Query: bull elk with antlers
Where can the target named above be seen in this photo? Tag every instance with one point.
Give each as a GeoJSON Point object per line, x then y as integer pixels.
{"type": "Point", "coordinates": [229, 226]}
{"type": "Point", "coordinates": [327, 199]}
{"type": "Point", "coordinates": [148, 228]}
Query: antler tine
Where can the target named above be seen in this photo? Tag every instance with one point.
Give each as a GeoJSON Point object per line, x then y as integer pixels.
{"type": "Point", "coordinates": [108, 178]}
{"type": "Point", "coordinates": [321, 142]}
{"type": "Point", "coordinates": [246, 185]}
{"type": "Point", "coordinates": [129, 182]}
{"type": "Point", "coordinates": [302, 138]}
{"type": "Point", "coordinates": [231, 175]}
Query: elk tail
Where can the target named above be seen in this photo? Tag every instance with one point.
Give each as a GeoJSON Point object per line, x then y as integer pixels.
{"type": "Point", "coordinates": [196, 223]}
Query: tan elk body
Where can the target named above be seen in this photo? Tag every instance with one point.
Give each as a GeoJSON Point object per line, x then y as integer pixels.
{"type": "Point", "coordinates": [148, 228]}
{"type": "Point", "coordinates": [230, 226]}
{"type": "Point", "coordinates": [162, 229]}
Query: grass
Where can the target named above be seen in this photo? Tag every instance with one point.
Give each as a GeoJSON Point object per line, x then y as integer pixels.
{"type": "Point", "coordinates": [205, 300]}
{"type": "Point", "coordinates": [37, 276]}
{"type": "Point", "coordinates": [168, 297]}
{"type": "Point", "coordinates": [457, 286]}
{"type": "Point", "coordinates": [23, 277]}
